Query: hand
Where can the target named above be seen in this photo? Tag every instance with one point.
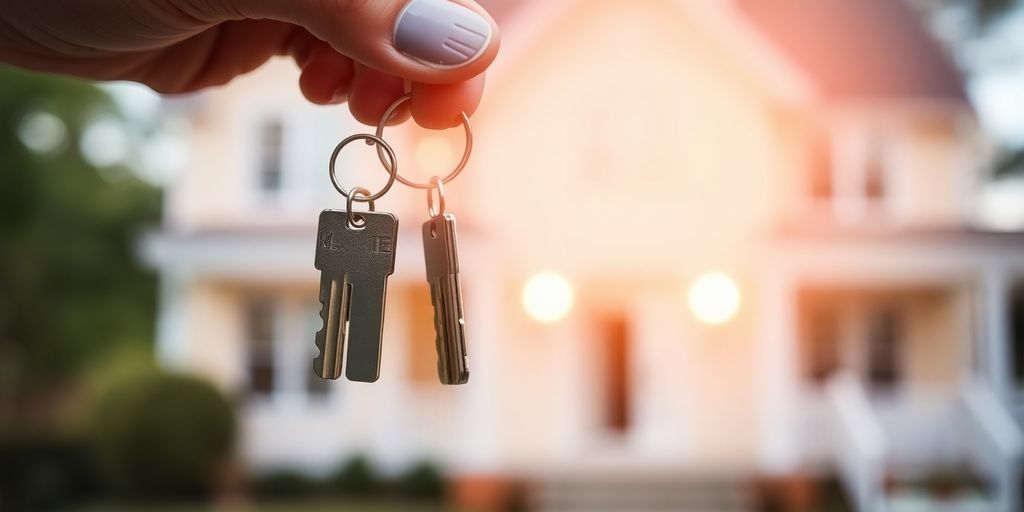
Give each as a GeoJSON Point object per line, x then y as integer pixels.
{"type": "Point", "coordinates": [362, 51]}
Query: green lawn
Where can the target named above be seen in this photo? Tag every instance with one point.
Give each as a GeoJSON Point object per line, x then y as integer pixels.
{"type": "Point", "coordinates": [281, 506]}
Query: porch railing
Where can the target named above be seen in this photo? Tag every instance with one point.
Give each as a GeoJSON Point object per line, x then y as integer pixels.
{"type": "Point", "coordinates": [861, 445]}
{"type": "Point", "coordinates": [996, 445]}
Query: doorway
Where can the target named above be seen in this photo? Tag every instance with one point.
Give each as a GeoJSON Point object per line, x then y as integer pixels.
{"type": "Point", "coordinates": [615, 373]}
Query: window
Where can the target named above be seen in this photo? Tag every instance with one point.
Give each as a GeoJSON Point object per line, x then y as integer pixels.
{"type": "Point", "coordinates": [260, 326]}
{"type": "Point", "coordinates": [315, 386]}
{"type": "Point", "coordinates": [874, 171]}
{"type": "Point", "coordinates": [822, 344]}
{"type": "Point", "coordinates": [848, 168]}
{"type": "Point", "coordinates": [1017, 333]}
{"type": "Point", "coordinates": [820, 166]}
{"type": "Point", "coordinates": [422, 338]}
{"type": "Point", "coordinates": [885, 337]}
{"type": "Point", "coordinates": [271, 151]}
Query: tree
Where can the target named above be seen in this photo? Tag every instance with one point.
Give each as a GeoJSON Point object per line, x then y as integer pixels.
{"type": "Point", "coordinates": [70, 286]}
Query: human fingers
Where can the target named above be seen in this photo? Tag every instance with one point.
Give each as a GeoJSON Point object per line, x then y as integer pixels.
{"type": "Point", "coordinates": [425, 41]}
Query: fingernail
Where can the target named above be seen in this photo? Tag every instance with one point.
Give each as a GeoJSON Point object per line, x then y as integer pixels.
{"type": "Point", "coordinates": [339, 96]}
{"type": "Point", "coordinates": [441, 32]}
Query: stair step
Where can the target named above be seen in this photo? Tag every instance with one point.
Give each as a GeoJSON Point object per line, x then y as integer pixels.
{"type": "Point", "coordinates": [642, 494]}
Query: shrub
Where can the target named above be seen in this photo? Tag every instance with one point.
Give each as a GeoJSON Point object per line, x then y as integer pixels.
{"type": "Point", "coordinates": [422, 481]}
{"type": "Point", "coordinates": [162, 436]}
{"type": "Point", "coordinates": [355, 477]}
{"type": "Point", "coordinates": [39, 472]}
{"type": "Point", "coordinates": [283, 484]}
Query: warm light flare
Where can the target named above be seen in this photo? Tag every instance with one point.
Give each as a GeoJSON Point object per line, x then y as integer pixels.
{"type": "Point", "coordinates": [433, 152]}
{"type": "Point", "coordinates": [714, 298]}
{"type": "Point", "coordinates": [547, 297]}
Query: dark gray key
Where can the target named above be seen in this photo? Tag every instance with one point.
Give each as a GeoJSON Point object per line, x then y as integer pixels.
{"type": "Point", "coordinates": [354, 267]}
{"type": "Point", "coordinates": [441, 253]}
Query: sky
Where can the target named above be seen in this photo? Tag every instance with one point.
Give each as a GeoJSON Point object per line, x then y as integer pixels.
{"type": "Point", "coordinates": [994, 65]}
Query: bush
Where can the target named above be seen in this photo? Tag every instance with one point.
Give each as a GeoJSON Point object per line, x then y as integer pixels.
{"type": "Point", "coordinates": [284, 484]}
{"type": "Point", "coordinates": [162, 436]}
{"type": "Point", "coordinates": [43, 472]}
{"type": "Point", "coordinates": [355, 477]}
{"type": "Point", "coordinates": [422, 481]}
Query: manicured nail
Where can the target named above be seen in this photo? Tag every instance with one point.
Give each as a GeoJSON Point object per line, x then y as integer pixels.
{"type": "Point", "coordinates": [441, 32]}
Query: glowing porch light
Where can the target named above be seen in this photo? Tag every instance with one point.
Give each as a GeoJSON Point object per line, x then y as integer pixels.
{"type": "Point", "coordinates": [714, 298]}
{"type": "Point", "coordinates": [547, 297]}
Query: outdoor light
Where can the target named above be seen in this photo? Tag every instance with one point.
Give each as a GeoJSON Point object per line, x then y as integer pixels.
{"type": "Point", "coordinates": [714, 298]}
{"type": "Point", "coordinates": [547, 297]}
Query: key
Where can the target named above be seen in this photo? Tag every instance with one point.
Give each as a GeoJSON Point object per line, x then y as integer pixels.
{"type": "Point", "coordinates": [442, 262]}
{"type": "Point", "coordinates": [354, 266]}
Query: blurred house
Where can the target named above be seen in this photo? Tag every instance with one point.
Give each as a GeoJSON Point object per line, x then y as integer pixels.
{"type": "Point", "coordinates": [814, 160]}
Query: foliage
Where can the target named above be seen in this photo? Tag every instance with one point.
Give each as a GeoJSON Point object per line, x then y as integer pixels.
{"type": "Point", "coordinates": [985, 12]}
{"type": "Point", "coordinates": [1009, 164]}
{"type": "Point", "coordinates": [284, 484]}
{"type": "Point", "coordinates": [355, 477]}
{"type": "Point", "coordinates": [40, 473]}
{"type": "Point", "coordinates": [989, 10]}
{"type": "Point", "coordinates": [423, 480]}
{"type": "Point", "coordinates": [162, 436]}
{"type": "Point", "coordinates": [70, 286]}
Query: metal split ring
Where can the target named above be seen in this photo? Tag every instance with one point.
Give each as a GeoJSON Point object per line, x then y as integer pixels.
{"type": "Point", "coordinates": [391, 167]}
{"type": "Point", "coordinates": [426, 186]}
{"type": "Point", "coordinates": [435, 184]}
{"type": "Point", "coordinates": [355, 220]}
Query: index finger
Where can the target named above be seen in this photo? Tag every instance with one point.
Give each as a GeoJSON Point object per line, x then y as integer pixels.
{"type": "Point", "coordinates": [438, 106]}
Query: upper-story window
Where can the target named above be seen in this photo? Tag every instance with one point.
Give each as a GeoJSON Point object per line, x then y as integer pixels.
{"type": "Point", "coordinates": [849, 173]}
{"type": "Point", "coordinates": [270, 149]}
{"type": "Point", "coordinates": [820, 167]}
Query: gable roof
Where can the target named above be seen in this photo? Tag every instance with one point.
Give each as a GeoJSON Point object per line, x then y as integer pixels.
{"type": "Point", "coordinates": [846, 49]}
{"type": "Point", "coordinates": [855, 49]}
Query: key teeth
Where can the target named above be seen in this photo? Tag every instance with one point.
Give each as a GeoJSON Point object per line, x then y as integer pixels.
{"type": "Point", "coordinates": [318, 361]}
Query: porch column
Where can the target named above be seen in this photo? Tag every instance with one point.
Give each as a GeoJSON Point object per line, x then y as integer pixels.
{"type": "Point", "coordinates": [171, 320]}
{"type": "Point", "coordinates": [777, 371]}
{"type": "Point", "coordinates": [480, 405]}
{"type": "Point", "coordinates": [994, 341]}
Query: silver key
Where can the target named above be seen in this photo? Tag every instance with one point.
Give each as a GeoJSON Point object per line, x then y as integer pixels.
{"type": "Point", "coordinates": [354, 267]}
{"type": "Point", "coordinates": [442, 261]}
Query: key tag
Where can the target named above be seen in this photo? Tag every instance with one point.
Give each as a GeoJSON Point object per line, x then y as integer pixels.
{"type": "Point", "coordinates": [355, 254]}
{"type": "Point", "coordinates": [440, 251]}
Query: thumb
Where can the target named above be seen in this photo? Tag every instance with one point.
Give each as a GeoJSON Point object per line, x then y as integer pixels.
{"type": "Point", "coordinates": [427, 41]}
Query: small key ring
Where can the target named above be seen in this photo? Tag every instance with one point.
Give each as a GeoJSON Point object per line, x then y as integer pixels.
{"type": "Point", "coordinates": [381, 146]}
{"type": "Point", "coordinates": [355, 220]}
{"type": "Point", "coordinates": [435, 184]}
{"type": "Point", "coordinates": [451, 176]}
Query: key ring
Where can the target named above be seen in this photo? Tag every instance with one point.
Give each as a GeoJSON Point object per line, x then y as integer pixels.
{"type": "Point", "coordinates": [435, 184]}
{"type": "Point", "coordinates": [451, 176]}
{"type": "Point", "coordinates": [355, 220]}
{"type": "Point", "coordinates": [381, 146]}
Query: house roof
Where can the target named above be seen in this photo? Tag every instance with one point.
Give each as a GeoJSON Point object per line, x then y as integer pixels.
{"type": "Point", "coordinates": [859, 49]}
{"type": "Point", "coordinates": [849, 49]}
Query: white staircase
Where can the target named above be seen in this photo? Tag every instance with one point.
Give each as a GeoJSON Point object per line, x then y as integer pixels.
{"type": "Point", "coordinates": [987, 441]}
